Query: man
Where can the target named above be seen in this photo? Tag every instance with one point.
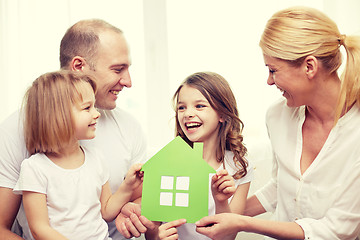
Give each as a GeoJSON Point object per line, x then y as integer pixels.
{"type": "Point", "coordinates": [100, 49]}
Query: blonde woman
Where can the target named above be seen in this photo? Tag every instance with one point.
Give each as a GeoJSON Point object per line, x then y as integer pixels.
{"type": "Point", "coordinates": [314, 132]}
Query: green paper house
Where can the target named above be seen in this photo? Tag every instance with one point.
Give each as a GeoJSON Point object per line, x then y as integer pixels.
{"type": "Point", "coordinates": [176, 183]}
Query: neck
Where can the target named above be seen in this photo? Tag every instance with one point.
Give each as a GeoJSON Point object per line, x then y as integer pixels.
{"type": "Point", "coordinates": [323, 105]}
{"type": "Point", "coordinates": [70, 157]}
{"type": "Point", "coordinates": [209, 154]}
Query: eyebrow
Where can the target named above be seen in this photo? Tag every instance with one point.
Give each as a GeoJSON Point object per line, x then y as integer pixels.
{"type": "Point", "coordinates": [197, 101]}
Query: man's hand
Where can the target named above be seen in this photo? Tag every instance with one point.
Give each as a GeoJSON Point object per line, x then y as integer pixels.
{"type": "Point", "coordinates": [130, 223]}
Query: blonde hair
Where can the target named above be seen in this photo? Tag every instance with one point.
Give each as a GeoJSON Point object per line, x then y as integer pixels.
{"type": "Point", "coordinates": [218, 93]}
{"type": "Point", "coordinates": [295, 33]}
{"type": "Point", "coordinates": [48, 123]}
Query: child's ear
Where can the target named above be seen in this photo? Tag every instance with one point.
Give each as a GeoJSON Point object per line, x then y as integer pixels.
{"type": "Point", "coordinates": [221, 119]}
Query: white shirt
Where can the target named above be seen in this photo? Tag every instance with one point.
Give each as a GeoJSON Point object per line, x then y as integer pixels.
{"type": "Point", "coordinates": [72, 195]}
{"type": "Point", "coordinates": [325, 200]}
{"type": "Point", "coordinates": [119, 137]}
{"type": "Point", "coordinates": [187, 231]}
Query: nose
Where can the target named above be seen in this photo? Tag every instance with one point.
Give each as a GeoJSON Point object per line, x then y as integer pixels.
{"type": "Point", "coordinates": [270, 80]}
{"type": "Point", "coordinates": [189, 113]}
{"type": "Point", "coordinates": [126, 79]}
{"type": "Point", "coordinates": [96, 114]}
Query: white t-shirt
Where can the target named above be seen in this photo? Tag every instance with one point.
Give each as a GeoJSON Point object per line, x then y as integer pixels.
{"type": "Point", "coordinates": [187, 231]}
{"type": "Point", "coordinates": [119, 137]}
{"type": "Point", "coordinates": [324, 200]}
{"type": "Point", "coordinates": [72, 195]}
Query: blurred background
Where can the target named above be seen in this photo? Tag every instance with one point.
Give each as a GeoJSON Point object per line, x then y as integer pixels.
{"type": "Point", "coordinates": [169, 40]}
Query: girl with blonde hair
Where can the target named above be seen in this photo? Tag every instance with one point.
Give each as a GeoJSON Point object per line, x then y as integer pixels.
{"type": "Point", "coordinates": [65, 188]}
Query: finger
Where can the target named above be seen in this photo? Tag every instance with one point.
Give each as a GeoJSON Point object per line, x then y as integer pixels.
{"type": "Point", "coordinates": [205, 221]}
{"type": "Point", "coordinates": [166, 232]}
{"type": "Point", "coordinates": [131, 228]}
{"type": "Point", "coordinates": [137, 223]}
{"type": "Point", "coordinates": [122, 228]}
{"type": "Point", "coordinates": [176, 223]}
{"type": "Point", "coordinates": [222, 172]}
{"type": "Point", "coordinates": [147, 223]}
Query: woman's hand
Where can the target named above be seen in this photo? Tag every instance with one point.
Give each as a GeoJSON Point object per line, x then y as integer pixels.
{"type": "Point", "coordinates": [222, 226]}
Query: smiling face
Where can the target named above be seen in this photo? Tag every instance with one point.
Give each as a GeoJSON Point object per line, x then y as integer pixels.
{"type": "Point", "coordinates": [197, 119]}
{"type": "Point", "coordinates": [85, 114]}
{"type": "Point", "coordinates": [111, 68]}
{"type": "Point", "coordinates": [290, 80]}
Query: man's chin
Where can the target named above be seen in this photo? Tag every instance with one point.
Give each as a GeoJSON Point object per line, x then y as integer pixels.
{"type": "Point", "coordinates": [106, 106]}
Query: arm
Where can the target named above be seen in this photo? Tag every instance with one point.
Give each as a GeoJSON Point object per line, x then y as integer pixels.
{"type": "Point", "coordinates": [253, 207]}
{"type": "Point", "coordinates": [220, 226]}
{"type": "Point", "coordinates": [9, 206]}
{"type": "Point", "coordinates": [111, 204]}
{"type": "Point", "coordinates": [37, 216]}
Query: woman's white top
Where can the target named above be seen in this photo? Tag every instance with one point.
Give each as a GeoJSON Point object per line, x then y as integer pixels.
{"type": "Point", "coordinates": [324, 200]}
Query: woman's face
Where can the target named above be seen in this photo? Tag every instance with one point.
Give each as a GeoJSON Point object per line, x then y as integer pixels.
{"type": "Point", "coordinates": [291, 81]}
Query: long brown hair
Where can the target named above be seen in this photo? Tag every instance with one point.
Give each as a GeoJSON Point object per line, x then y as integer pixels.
{"type": "Point", "coordinates": [218, 93]}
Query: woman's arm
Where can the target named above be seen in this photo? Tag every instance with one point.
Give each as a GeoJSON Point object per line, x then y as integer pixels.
{"type": "Point", "coordinates": [220, 226]}
{"type": "Point", "coordinates": [37, 215]}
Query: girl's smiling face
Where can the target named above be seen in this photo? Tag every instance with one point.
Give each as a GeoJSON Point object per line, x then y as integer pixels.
{"type": "Point", "coordinates": [85, 114]}
{"type": "Point", "coordinates": [196, 117]}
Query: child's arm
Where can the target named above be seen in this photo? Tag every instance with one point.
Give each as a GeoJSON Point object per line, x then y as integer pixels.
{"type": "Point", "coordinates": [37, 215]}
{"type": "Point", "coordinates": [111, 204]}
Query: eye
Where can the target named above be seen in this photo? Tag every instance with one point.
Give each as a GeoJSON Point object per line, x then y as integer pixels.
{"type": "Point", "coordinates": [181, 107]}
{"type": "Point", "coordinates": [87, 108]}
{"type": "Point", "coordinates": [271, 71]}
{"type": "Point", "coordinates": [200, 106]}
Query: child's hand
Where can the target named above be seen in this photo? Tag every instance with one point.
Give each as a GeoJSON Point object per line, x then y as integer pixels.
{"type": "Point", "coordinates": [134, 176]}
{"type": "Point", "coordinates": [168, 230]}
{"type": "Point", "coordinates": [222, 186]}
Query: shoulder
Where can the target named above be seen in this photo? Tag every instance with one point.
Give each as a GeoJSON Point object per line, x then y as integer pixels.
{"type": "Point", "coordinates": [232, 168]}
{"type": "Point", "coordinates": [12, 126]}
{"type": "Point", "coordinates": [279, 114]}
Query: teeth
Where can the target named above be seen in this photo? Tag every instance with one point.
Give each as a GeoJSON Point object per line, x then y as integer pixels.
{"type": "Point", "coordinates": [115, 92]}
{"type": "Point", "coordinates": [192, 125]}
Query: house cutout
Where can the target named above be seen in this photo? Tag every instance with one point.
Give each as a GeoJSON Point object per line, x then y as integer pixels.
{"type": "Point", "coordinates": [176, 183]}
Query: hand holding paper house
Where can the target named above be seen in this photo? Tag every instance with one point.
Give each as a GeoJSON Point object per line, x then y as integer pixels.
{"type": "Point", "coordinates": [176, 183]}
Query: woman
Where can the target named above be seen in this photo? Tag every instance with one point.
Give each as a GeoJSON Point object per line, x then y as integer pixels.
{"type": "Point", "coordinates": [313, 131]}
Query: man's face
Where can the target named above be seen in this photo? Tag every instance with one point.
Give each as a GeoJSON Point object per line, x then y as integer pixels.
{"type": "Point", "coordinates": [111, 69]}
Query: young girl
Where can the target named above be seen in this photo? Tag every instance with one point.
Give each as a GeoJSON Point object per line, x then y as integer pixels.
{"type": "Point", "coordinates": [66, 194]}
{"type": "Point", "coordinates": [206, 111]}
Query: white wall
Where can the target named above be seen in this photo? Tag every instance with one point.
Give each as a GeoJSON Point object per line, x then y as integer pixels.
{"type": "Point", "coordinates": [168, 40]}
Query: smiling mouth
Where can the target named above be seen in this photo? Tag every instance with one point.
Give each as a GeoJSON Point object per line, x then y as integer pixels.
{"type": "Point", "coordinates": [192, 125]}
{"type": "Point", "coordinates": [114, 92]}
